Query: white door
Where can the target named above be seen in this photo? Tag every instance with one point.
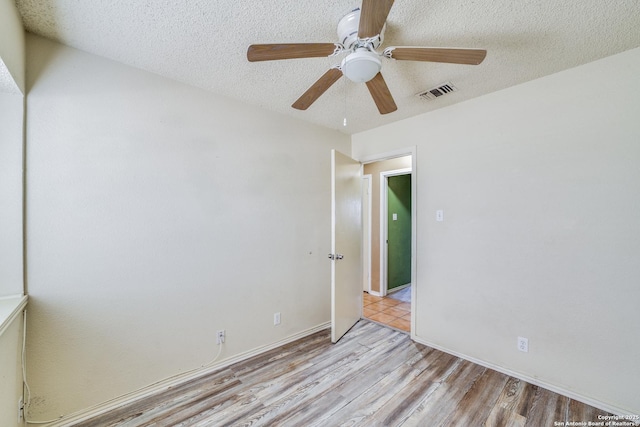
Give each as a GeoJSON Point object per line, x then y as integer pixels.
{"type": "Point", "coordinates": [346, 240]}
{"type": "Point", "coordinates": [366, 233]}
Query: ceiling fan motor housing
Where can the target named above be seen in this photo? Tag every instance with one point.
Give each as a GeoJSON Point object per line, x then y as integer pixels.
{"type": "Point", "coordinates": [348, 32]}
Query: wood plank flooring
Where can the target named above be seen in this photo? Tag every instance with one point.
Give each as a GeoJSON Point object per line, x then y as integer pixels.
{"type": "Point", "coordinates": [374, 376]}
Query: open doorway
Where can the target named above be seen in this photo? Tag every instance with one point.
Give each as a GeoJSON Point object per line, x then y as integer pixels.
{"type": "Point", "coordinates": [388, 242]}
{"type": "Point", "coordinates": [395, 230]}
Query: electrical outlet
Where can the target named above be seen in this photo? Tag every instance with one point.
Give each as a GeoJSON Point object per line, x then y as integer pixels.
{"type": "Point", "coordinates": [276, 318]}
{"type": "Point", "coordinates": [220, 337]}
{"type": "Point", "coordinates": [20, 410]}
{"type": "Point", "coordinates": [523, 344]}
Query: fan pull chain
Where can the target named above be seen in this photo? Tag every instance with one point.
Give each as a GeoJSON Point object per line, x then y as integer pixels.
{"type": "Point", "coordinates": [344, 121]}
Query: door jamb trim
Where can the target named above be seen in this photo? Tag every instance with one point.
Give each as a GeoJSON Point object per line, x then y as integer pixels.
{"type": "Point", "coordinates": [413, 152]}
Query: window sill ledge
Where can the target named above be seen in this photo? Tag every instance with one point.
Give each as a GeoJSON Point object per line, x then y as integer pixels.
{"type": "Point", "coordinates": [10, 307]}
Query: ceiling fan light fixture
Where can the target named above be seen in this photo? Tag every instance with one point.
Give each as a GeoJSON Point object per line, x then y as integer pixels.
{"type": "Point", "coordinates": [360, 35]}
{"type": "Point", "coordinates": [361, 66]}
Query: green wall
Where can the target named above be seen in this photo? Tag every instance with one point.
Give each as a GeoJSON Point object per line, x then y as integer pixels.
{"type": "Point", "coordinates": [399, 231]}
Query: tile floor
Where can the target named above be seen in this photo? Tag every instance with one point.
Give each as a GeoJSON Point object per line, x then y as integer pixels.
{"type": "Point", "coordinates": [393, 310]}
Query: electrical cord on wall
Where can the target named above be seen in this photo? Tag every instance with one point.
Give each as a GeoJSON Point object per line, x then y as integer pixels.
{"type": "Point", "coordinates": [27, 390]}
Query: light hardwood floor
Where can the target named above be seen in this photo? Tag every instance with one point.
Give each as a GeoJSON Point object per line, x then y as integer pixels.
{"type": "Point", "coordinates": [374, 376]}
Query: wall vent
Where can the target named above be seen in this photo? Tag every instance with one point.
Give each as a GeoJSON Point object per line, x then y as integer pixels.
{"type": "Point", "coordinates": [437, 92]}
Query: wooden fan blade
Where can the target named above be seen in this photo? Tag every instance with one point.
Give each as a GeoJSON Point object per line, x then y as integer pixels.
{"type": "Point", "coordinates": [381, 95]}
{"type": "Point", "coordinates": [437, 54]}
{"type": "Point", "coordinates": [373, 15]}
{"type": "Point", "coordinates": [271, 52]}
{"type": "Point", "coordinates": [317, 89]}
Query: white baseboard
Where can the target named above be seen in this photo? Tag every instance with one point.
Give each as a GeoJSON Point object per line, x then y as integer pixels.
{"type": "Point", "coordinates": [551, 387]}
{"type": "Point", "coordinates": [107, 406]}
{"type": "Point", "coordinates": [158, 387]}
{"type": "Point", "coordinates": [375, 294]}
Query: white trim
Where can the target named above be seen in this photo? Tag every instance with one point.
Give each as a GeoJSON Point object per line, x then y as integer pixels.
{"type": "Point", "coordinates": [413, 152]}
{"type": "Point", "coordinates": [384, 225]}
{"type": "Point", "coordinates": [375, 294]}
{"type": "Point", "coordinates": [10, 308]}
{"type": "Point", "coordinates": [531, 380]}
{"type": "Point", "coordinates": [104, 407]}
{"type": "Point", "coordinates": [366, 248]}
{"type": "Point", "coordinates": [409, 151]}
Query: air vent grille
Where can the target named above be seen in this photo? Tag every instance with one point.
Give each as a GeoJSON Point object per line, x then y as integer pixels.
{"type": "Point", "coordinates": [437, 91]}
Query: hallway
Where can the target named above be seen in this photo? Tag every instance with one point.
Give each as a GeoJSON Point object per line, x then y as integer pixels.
{"type": "Point", "coordinates": [392, 310]}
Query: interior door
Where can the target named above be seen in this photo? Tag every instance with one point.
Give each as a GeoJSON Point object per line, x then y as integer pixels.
{"type": "Point", "coordinates": [346, 240]}
{"type": "Point", "coordinates": [366, 233]}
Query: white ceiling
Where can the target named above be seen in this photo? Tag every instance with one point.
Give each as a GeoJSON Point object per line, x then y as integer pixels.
{"type": "Point", "coordinates": [204, 42]}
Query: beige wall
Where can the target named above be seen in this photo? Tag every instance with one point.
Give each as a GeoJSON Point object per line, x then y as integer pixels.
{"type": "Point", "coordinates": [11, 114]}
{"type": "Point", "coordinates": [374, 169]}
{"type": "Point", "coordinates": [12, 59]}
{"type": "Point", "coordinates": [12, 52]}
{"type": "Point", "coordinates": [10, 372]}
{"type": "Point", "coordinates": [158, 214]}
{"type": "Point", "coordinates": [12, 79]}
{"type": "Point", "coordinates": [540, 188]}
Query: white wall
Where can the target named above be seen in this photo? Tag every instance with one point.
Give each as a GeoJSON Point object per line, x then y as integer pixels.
{"type": "Point", "coordinates": [157, 214]}
{"type": "Point", "coordinates": [540, 187]}
{"type": "Point", "coordinates": [11, 271]}
{"type": "Point", "coordinates": [12, 82]}
{"type": "Point", "coordinates": [10, 372]}
{"type": "Point", "coordinates": [12, 54]}
{"type": "Point", "coordinates": [11, 114]}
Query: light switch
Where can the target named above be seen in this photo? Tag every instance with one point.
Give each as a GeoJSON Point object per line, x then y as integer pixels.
{"type": "Point", "coordinates": [439, 215]}
{"type": "Point", "coordinates": [395, 216]}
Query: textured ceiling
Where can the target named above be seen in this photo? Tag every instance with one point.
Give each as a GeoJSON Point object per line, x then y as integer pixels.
{"type": "Point", "coordinates": [203, 43]}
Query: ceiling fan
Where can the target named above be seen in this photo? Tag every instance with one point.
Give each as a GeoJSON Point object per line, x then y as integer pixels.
{"type": "Point", "coordinates": [361, 32]}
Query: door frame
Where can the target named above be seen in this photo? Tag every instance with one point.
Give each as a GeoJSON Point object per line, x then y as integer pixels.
{"type": "Point", "coordinates": [384, 224]}
{"type": "Point", "coordinates": [408, 151]}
